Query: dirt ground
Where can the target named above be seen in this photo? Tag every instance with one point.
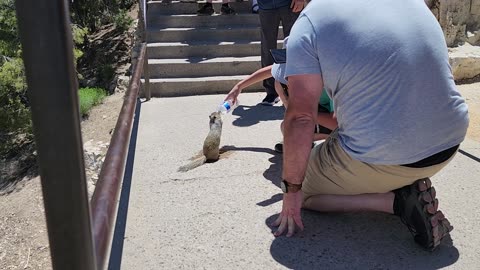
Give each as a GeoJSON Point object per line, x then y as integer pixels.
{"type": "Point", "coordinates": [23, 237]}
{"type": "Point", "coordinates": [471, 93]}
{"type": "Point", "coordinates": [23, 233]}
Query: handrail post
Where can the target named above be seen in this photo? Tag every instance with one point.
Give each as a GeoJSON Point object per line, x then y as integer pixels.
{"type": "Point", "coordinates": [143, 22]}
{"type": "Point", "coordinates": [46, 38]}
{"type": "Point", "coordinates": [146, 75]}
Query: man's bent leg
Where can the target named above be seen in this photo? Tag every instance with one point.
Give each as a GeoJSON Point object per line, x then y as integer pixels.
{"type": "Point", "coordinates": [332, 171]}
{"type": "Point", "coordinates": [336, 182]}
{"type": "Point", "coordinates": [377, 202]}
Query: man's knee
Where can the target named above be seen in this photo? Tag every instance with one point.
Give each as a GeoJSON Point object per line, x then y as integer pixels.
{"type": "Point", "coordinates": [307, 201]}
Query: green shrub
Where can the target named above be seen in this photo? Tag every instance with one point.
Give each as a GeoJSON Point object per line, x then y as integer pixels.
{"type": "Point", "coordinates": [122, 20]}
{"type": "Point", "coordinates": [14, 114]}
{"type": "Point", "coordinates": [92, 14]}
{"type": "Point", "coordinates": [78, 34]}
{"type": "Point", "coordinates": [9, 41]}
{"type": "Point", "coordinates": [90, 97]}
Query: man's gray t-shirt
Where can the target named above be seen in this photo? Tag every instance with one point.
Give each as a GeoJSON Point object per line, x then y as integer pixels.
{"type": "Point", "coordinates": [385, 65]}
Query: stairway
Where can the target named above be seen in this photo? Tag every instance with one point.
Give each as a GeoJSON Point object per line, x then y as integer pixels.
{"type": "Point", "coordinates": [195, 55]}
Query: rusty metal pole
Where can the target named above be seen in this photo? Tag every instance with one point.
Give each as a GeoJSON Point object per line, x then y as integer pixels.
{"type": "Point", "coordinates": [143, 24]}
{"type": "Point", "coordinates": [146, 75]}
{"type": "Point", "coordinates": [47, 49]}
{"type": "Point", "coordinates": [106, 194]}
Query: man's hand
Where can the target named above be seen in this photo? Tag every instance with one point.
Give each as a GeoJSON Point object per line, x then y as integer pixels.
{"type": "Point", "coordinates": [290, 217]}
{"type": "Point", "coordinates": [297, 5]}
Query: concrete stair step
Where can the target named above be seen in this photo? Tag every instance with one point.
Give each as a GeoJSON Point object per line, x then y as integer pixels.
{"type": "Point", "coordinates": [177, 7]}
{"type": "Point", "coordinates": [191, 20]}
{"type": "Point", "coordinates": [203, 67]}
{"type": "Point", "coordinates": [174, 87]}
{"type": "Point", "coordinates": [206, 34]}
{"type": "Point", "coordinates": [165, 50]}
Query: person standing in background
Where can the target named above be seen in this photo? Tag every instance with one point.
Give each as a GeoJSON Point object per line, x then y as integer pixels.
{"type": "Point", "coordinates": [271, 13]}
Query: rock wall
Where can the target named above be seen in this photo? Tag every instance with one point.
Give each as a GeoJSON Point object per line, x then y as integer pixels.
{"type": "Point", "coordinates": [460, 19]}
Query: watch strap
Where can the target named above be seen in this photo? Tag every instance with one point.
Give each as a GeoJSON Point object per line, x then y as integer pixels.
{"type": "Point", "coordinates": [292, 187]}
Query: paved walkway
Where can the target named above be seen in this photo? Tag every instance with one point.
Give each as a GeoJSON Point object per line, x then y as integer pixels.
{"type": "Point", "coordinates": [217, 216]}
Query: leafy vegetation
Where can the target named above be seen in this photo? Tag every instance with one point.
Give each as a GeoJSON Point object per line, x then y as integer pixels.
{"type": "Point", "coordinates": [93, 14]}
{"type": "Point", "coordinates": [87, 17]}
{"type": "Point", "coordinates": [14, 114]}
{"type": "Point", "coordinates": [89, 97]}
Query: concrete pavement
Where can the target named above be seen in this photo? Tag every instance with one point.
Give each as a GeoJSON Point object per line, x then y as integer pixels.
{"type": "Point", "coordinates": [217, 216]}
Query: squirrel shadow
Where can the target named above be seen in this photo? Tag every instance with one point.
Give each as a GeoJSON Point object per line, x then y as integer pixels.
{"type": "Point", "coordinates": [251, 115]}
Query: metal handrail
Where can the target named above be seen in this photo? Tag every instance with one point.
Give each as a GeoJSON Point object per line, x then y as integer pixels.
{"type": "Point", "coordinates": [105, 197]}
{"type": "Point", "coordinates": [53, 95]}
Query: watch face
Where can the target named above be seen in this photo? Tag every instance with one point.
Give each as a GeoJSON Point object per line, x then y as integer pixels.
{"type": "Point", "coordinates": [283, 187]}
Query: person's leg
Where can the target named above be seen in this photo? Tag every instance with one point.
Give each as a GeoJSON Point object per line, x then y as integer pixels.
{"type": "Point", "coordinates": [336, 182]}
{"type": "Point", "coordinates": [379, 202]}
{"type": "Point", "coordinates": [269, 24]}
{"type": "Point", "coordinates": [288, 18]}
{"type": "Point", "coordinates": [281, 93]}
{"type": "Point", "coordinates": [206, 9]}
{"type": "Point", "coordinates": [226, 9]}
{"type": "Point", "coordinates": [331, 171]}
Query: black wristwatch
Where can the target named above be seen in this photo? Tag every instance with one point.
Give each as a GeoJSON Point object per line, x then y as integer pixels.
{"type": "Point", "coordinates": [289, 187]}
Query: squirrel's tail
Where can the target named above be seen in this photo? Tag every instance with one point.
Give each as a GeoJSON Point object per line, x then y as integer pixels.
{"type": "Point", "coordinates": [194, 164]}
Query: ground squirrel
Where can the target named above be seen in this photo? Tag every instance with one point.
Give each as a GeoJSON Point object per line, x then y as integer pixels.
{"type": "Point", "coordinates": [211, 145]}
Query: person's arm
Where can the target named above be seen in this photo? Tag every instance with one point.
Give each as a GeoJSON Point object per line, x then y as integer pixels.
{"type": "Point", "coordinates": [305, 84]}
{"type": "Point", "coordinates": [300, 118]}
{"type": "Point", "coordinates": [297, 5]}
{"type": "Point", "coordinates": [327, 120]}
{"type": "Point", "coordinates": [257, 76]}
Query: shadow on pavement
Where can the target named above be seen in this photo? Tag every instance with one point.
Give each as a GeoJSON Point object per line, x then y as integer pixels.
{"type": "Point", "coordinates": [251, 115]}
{"type": "Point", "coordinates": [121, 221]}
{"type": "Point", "coordinates": [356, 241]}
{"type": "Point", "coordinates": [272, 173]}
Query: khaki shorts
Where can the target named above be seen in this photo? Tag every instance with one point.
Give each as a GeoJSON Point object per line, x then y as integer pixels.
{"type": "Point", "coordinates": [332, 171]}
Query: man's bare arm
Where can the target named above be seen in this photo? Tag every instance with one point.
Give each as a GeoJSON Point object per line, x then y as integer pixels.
{"type": "Point", "coordinates": [300, 118]}
{"type": "Point", "coordinates": [299, 121]}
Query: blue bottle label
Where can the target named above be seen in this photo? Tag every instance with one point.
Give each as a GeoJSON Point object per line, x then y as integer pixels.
{"type": "Point", "coordinates": [226, 105]}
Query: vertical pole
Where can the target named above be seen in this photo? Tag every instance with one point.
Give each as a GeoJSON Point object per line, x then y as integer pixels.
{"type": "Point", "coordinates": [143, 24]}
{"type": "Point", "coordinates": [146, 75]}
{"type": "Point", "coordinates": [45, 33]}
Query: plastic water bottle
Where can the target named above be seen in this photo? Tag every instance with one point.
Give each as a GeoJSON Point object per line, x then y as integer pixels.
{"type": "Point", "coordinates": [227, 106]}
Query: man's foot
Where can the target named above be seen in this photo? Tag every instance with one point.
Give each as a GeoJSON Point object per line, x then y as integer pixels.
{"type": "Point", "coordinates": [417, 207]}
{"type": "Point", "coordinates": [227, 10]}
{"type": "Point", "coordinates": [206, 9]}
{"type": "Point", "coordinates": [270, 100]}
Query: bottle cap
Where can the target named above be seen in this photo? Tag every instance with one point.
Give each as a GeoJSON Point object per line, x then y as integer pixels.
{"type": "Point", "coordinates": [227, 106]}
